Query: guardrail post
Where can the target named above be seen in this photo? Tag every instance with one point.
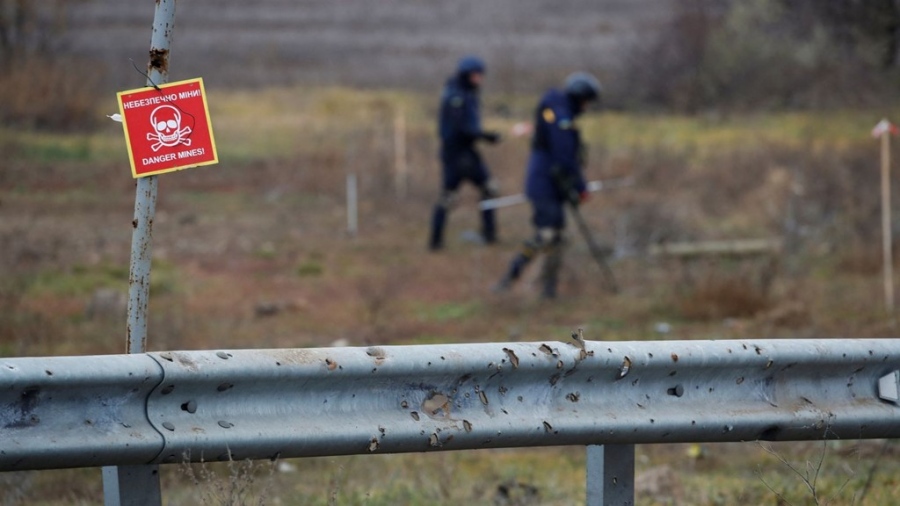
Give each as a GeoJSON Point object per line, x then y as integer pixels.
{"type": "Point", "coordinates": [139, 485]}
{"type": "Point", "coordinates": [131, 486]}
{"type": "Point", "coordinates": [610, 475]}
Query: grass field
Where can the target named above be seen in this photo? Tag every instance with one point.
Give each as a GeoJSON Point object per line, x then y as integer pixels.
{"type": "Point", "coordinates": [253, 253]}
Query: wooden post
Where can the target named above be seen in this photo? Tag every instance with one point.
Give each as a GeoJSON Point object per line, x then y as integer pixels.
{"type": "Point", "coordinates": [401, 171]}
{"type": "Point", "coordinates": [886, 219]}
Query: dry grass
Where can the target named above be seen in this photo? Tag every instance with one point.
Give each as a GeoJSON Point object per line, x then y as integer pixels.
{"type": "Point", "coordinates": [244, 483]}
{"type": "Point", "coordinates": [726, 296]}
{"type": "Point", "coordinates": [670, 475]}
{"type": "Point", "coordinates": [49, 93]}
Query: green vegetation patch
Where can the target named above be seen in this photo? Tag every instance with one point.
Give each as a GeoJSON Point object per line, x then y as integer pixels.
{"type": "Point", "coordinates": [83, 280]}
{"type": "Point", "coordinates": [449, 311]}
{"type": "Point", "coordinates": [310, 268]}
{"type": "Point", "coordinates": [44, 147]}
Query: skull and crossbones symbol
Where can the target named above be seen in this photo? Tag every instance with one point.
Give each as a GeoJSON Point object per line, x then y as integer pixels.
{"type": "Point", "coordinates": [167, 131]}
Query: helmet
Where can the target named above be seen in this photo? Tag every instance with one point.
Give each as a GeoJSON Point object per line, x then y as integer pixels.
{"type": "Point", "coordinates": [470, 64]}
{"type": "Point", "coordinates": [583, 87]}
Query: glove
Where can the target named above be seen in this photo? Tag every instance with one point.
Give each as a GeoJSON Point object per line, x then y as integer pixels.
{"type": "Point", "coordinates": [491, 137]}
{"type": "Point", "coordinates": [576, 198]}
{"type": "Point", "coordinates": [573, 197]}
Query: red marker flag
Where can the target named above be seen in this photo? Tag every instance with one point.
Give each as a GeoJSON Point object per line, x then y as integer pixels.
{"type": "Point", "coordinates": [884, 126]}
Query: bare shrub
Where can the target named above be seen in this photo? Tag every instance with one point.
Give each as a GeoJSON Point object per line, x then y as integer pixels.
{"type": "Point", "coordinates": [46, 93]}
{"type": "Point", "coordinates": [15, 487]}
{"type": "Point", "coordinates": [516, 493]}
{"type": "Point", "coordinates": [42, 86]}
{"type": "Point", "coordinates": [240, 487]}
{"type": "Point", "coordinates": [377, 293]}
{"type": "Point", "coordinates": [20, 328]}
{"type": "Point", "coordinates": [814, 195]}
{"type": "Point", "coordinates": [861, 259]}
{"type": "Point", "coordinates": [722, 294]}
{"type": "Point", "coordinates": [833, 203]}
{"type": "Point", "coordinates": [650, 212]}
{"type": "Point", "coordinates": [789, 314]}
{"type": "Point", "coordinates": [761, 53]}
{"type": "Point", "coordinates": [659, 484]}
{"type": "Point", "coordinates": [809, 474]}
{"type": "Point", "coordinates": [664, 70]}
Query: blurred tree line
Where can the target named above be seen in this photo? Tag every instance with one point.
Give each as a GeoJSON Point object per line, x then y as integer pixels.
{"type": "Point", "coordinates": [774, 54]}
{"type": "Point", "coordinates": [27, 27]}
{"type": "Point", "coordinates": [43, 85]}
{"type": "Point", "coordinates": [710, 54]}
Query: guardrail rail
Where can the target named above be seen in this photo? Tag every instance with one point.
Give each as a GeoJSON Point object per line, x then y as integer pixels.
{"type": "Point", "coordinates": [171, 407]}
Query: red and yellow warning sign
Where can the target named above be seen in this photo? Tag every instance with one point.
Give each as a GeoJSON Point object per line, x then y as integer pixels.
{"type": "Point", "coordinates": [167, 129]}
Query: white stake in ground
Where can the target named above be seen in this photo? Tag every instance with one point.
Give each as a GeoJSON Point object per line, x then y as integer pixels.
{"type": "Point", "coordinates": [401, 169]}
{"type": "Point", "coordinates": [884, 129]}
{"type": "Point", "coordinates": [352, 209]}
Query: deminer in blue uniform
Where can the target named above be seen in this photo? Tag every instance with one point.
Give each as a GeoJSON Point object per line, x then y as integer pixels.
{"type": "Point", "coordinates": [554, 177]}
{"type": "Point", "coordinates": [460, 130]}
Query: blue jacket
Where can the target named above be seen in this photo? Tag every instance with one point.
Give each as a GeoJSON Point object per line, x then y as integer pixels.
{"type": "Point", "coordinates": [460, 120]}
{"type": "Point", "coordinates": [555, 150]}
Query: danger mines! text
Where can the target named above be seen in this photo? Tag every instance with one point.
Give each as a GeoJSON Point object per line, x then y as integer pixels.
{"type": "Point", "coordinates": [168, 157]}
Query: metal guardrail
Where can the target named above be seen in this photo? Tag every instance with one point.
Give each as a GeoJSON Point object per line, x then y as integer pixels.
{"type": "Point", "coordinates": [76, 411]}
{"type": "Point", "coordinates": [61, 412]}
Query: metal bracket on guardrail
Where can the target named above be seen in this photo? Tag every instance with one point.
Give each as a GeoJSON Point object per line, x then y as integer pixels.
{"type": "Point", "coordinates": [889, 387]}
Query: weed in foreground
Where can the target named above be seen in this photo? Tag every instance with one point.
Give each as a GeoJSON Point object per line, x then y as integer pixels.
{"type": "Point", "coordinates": [241, 486]}
{"type": "Point", "coordinates": [15, 487]}
{"type": "Point", "coordinates": [808, 475]}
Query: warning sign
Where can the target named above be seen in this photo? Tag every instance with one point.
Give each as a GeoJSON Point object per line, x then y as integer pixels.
{"type": "Point", "coordinates": [167, 129]}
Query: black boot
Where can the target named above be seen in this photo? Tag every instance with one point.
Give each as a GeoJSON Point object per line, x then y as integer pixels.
{"type": "Point", "coordinates": [436, 242]}
{"type": "Point", "coordinates": [516, 267]}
